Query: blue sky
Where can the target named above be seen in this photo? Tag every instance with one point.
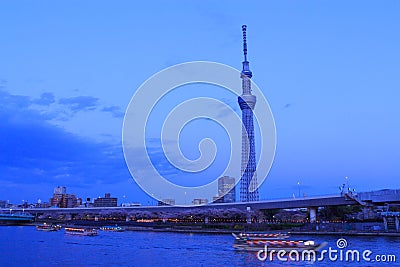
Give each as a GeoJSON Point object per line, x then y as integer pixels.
{"type": "Point", "coordinates": [68, 69]}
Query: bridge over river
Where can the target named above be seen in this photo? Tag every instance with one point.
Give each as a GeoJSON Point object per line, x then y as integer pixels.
{"type": "Point", "coordinates": [368, 199]}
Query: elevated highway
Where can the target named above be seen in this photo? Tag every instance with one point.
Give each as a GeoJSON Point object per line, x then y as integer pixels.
{"type": "Point", "coordinates": [333, 200]}
{"type": "Point", "coordinates": [368, 199]}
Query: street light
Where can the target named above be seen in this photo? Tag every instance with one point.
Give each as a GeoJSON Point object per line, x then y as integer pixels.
{"type": "Point", "coordinates": [298, 184]}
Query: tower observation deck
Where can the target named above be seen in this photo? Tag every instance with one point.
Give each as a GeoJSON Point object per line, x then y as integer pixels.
{"type": "Point", "coordinates": [247, 102]}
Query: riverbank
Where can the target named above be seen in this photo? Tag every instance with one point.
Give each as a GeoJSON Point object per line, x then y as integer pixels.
{"type": "Point", "coordinates": [218, 229]}
{"type": "Point", "coordinates": [200, 230]}
{"type": "Point", "coordinates": [345, 233]}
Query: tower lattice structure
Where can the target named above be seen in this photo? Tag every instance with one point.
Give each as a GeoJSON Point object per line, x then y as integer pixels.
{"type": "Point", "coordinates": [247, 102]}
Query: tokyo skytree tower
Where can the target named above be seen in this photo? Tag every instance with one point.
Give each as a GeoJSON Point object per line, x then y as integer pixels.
{"type": "Point", "coordinates": [247, 101]}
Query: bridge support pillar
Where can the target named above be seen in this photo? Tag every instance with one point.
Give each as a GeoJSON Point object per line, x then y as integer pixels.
{"type": "Point", "coordinates": [368, 212]}
{"type": "Point", "coordinates": [385, 223]}
{"type": "Point", "coordinates": [313, 214]}
{"type": "Point", "coordinates": [248, 215]}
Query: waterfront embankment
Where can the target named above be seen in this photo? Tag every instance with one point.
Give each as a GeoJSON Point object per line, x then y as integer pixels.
{"type": "Point", "coordinates": [308, 229]}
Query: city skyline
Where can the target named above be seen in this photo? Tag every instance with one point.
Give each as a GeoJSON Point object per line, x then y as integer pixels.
{"type": "Point", "coordinates": [328, 70]}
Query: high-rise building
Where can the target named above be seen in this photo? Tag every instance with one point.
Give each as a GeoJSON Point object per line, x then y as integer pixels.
{"type": "Point", "coordinates": [247, 102]}
{"type": "Point", "coordinates": [226, 190]}
{"type": "Point", "coordinates": [106, 201]}
{"type": "Point", "coordinates": [69, 201]}
{"type": "Point", "coordinates": [60, 190]}
{"type": "Point", "coordinates": [166, 202]}
{"type": "Point", "coordinates": [61, 199]}
{"type": "Point", "coordinates": [64, 201]}
{"type": "Point", "coordinates": [199, 201]}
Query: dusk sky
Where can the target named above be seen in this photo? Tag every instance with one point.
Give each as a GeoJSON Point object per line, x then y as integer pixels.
{"type": "Point", "coordinates": [68, 69]}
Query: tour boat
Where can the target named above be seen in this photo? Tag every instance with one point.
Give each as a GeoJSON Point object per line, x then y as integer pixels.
{"type": "Point", "coordinates": [48, 227]}
{"type": "Point", "coordinates": [115, 228]}
{"type": "Point", "coordinates": [254, 244]}
{"type": "Point", "coordinates": [80, 231]}
{"type": "Point", "coordinates": [260, 236]}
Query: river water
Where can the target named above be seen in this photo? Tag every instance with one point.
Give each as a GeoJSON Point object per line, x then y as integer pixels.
{"type": "Point", "coordinates": [25, 246]}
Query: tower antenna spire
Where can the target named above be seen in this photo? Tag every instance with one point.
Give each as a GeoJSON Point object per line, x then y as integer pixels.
{"type": "Point", "coordinates": [244, 28]}
{"type": "Point", "coordinates": [246, 68]}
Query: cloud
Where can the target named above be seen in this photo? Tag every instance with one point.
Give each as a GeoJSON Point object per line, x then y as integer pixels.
{"type": "Point", "coordinates": [80, 103]}
{"type": "Point", "coordinates": [16, 109]}
{"type": "Point", "coordinates": [34, 151]}
{"type": "Point", "coordinates": [114, 110]}
{"type": "Point", "coordinates": [288, 105]}
{"type": "Point", "coordinates": [13, 101]}
{"type": "Point", "coordinates": [45, 99]}
{"type": "Point", "coordinates": [42, 153]}
{"type": "Point", "coordinates": [46, 107]}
